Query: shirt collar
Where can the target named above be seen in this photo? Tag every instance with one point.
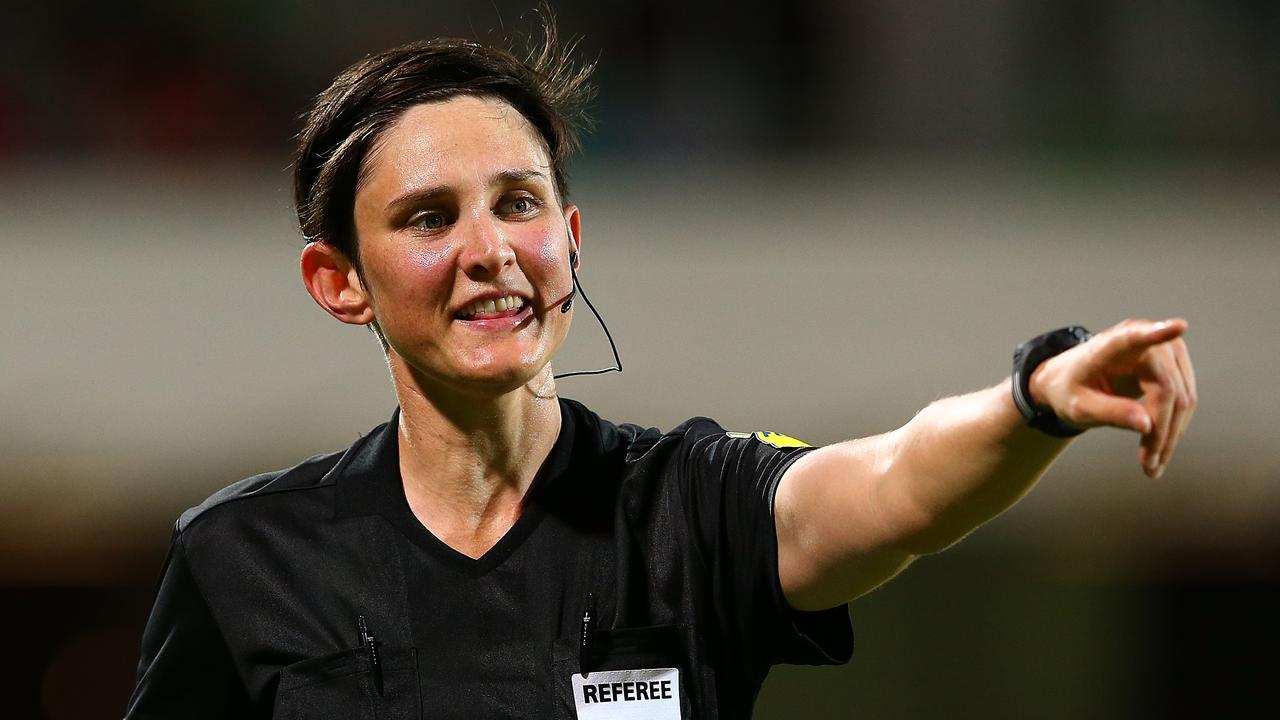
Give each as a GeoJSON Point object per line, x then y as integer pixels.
{"type": "Point", "coordinates": [367, 478]}
{"type": "Point", "coordinates": [368, 473]}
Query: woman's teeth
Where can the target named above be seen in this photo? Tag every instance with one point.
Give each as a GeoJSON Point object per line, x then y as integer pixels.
{"type": "Point", "coordinates": [492, 305]}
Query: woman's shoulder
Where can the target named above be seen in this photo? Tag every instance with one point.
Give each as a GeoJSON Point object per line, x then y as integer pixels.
{"type": "Point", "coordinates": [265, 492]}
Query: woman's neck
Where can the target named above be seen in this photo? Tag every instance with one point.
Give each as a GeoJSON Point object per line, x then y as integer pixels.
{"type": "Point", "coordinates": [467, 461]}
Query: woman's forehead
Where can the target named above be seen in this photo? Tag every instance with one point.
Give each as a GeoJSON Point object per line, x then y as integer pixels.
{"type": "Point", "coordinates": [456, 140]}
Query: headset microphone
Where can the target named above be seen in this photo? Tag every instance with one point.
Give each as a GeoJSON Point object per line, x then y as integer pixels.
{"type": "Point", "coordinates": [567, 303]}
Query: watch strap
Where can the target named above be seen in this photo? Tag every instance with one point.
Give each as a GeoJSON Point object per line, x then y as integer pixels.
{"type": "Point", "coordinates": [1026, 358]}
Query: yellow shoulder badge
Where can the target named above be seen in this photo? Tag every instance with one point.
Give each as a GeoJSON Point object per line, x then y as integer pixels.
{"type": "Point", "coordinates": [768, 437]}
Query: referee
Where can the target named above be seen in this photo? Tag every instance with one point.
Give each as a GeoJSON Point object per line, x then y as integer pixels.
{"type": "Point", "coordinates": [495, 550]}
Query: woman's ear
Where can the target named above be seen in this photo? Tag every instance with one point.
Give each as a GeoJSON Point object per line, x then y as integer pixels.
{"type": "Point", "coordinates": [334, 284]}
{"type": "Point", "coordinates": [573, 221]}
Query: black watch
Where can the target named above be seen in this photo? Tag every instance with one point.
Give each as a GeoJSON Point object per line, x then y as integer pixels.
{"type": "Point", "coordinates": [1026, 359]}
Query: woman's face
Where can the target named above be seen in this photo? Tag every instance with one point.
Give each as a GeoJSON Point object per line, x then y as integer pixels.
{"type": "Point", "coordinates": [464, 247]}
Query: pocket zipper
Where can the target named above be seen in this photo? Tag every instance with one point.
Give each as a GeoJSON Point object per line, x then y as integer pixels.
{"type": "Point", "coordinates": [367, 640]}
{"type": "Point", "coordinates": [584, 644]}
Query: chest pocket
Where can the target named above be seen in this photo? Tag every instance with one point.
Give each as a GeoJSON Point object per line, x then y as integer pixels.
{"type": "Point", "coordinates": [344, 686]}
{"type": "Point", "coordinates": [642, 648]}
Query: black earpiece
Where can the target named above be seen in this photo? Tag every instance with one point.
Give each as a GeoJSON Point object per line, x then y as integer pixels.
{"type": "Point", "coordinates": [573, 262]}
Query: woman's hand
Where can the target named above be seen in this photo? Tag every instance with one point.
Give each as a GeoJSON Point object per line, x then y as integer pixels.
{"type": "Point", "coordinates": [1136, 375]}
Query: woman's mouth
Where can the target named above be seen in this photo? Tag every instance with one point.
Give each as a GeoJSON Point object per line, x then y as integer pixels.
{"type": "Point", "coordinates": [492, 308]}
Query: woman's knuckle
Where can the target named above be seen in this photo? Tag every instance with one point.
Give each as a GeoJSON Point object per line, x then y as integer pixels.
{"type": "Point", "coordinates": [1075, 410]}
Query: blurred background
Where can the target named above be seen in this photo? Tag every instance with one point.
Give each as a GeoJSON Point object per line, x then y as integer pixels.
{"type": "Point", "coordinates": [813, 217]}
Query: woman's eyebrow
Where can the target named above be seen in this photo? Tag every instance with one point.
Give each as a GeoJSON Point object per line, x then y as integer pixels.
{"type": "Point", "coordinates": [502, 177]}
{"type": "Point", "coordinates": [413, 197]}
{"type": "Point", "coordinates": [506, 177]}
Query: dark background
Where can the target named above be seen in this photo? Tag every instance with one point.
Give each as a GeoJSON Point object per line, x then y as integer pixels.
{"type": "Point", "coordinates": [813, 217]}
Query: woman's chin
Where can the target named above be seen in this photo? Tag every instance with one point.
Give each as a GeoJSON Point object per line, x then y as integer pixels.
{"type": "Point", "coordinates": [495, 381]}
{"type": "Point", "coordinates": [486, 374]}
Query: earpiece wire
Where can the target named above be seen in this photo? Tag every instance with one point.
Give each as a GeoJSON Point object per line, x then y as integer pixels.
{"type": "Point", "coordinates": [617, 361]}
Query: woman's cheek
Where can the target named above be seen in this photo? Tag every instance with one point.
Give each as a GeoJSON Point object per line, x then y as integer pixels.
{"type": "Point", "coordinates": [553, 258]}
{"type": "Point", "coordinates": [430, 259]}
{"type": "Point", "coordinates": [422, 272]}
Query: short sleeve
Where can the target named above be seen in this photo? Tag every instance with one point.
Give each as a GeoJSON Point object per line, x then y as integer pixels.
{"type": "Point", "coordinates": [731, 482]}
{"type": "Point", "coordinates": [185, 670]}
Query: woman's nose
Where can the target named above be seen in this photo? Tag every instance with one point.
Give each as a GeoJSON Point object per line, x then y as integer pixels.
{"type": "Point", "coordinates": [485, 251]}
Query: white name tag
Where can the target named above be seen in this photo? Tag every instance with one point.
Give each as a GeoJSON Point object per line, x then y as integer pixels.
{"type": "Point", "coordinates": [652, 694]}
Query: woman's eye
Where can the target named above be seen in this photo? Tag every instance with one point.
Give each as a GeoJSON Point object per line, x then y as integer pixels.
{"type": "Point", "coordinates": [520, 206]}
{"type": "Point", "coordinates": [429, 221]}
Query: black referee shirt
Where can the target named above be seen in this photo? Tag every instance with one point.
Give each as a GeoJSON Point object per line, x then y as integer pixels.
{"type": "Point", "coordinates": [314, 592]}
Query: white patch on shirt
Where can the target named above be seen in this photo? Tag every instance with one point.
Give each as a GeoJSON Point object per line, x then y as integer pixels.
{"type": "Point", "coordinates": [648, 694]}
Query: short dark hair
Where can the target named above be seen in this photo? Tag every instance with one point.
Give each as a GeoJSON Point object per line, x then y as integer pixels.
{"type": "Point", "coordinates": [546, 87]}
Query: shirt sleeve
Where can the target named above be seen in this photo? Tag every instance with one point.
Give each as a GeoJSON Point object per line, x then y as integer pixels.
{"type": "Point", "coordinates": [185, 670]}
{"type": "Point", "coordinates": [731, 480]}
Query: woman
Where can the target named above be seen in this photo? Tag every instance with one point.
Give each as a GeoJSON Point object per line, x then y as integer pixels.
{"type": "Point", "coordinates": [497, 551]}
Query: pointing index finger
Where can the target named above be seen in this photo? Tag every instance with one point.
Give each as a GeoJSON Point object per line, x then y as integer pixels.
{"type": "Point", "coordinates": [1142, 334]}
